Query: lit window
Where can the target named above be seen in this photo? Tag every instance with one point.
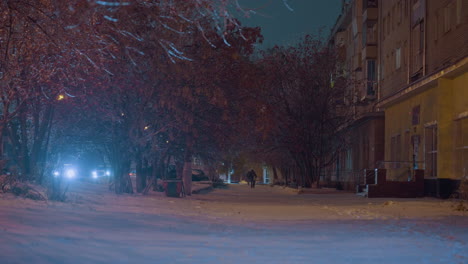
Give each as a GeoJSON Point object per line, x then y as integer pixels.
{"type": "Point", "coordinates": [398, 58]}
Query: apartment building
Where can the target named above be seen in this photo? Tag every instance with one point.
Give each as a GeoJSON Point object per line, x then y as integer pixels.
{"type": "Point", "coordinates": [423, 89]}
{"type": "Point", "coordinates": [355, 35]}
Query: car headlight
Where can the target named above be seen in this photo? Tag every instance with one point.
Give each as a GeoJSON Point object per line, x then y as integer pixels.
{"type": "Point", "coordinates": [56, 173]}
{"type": "Point", "coordinates": [70, 173]}
{"type": "Point", "coordinates": [94, 174]}
{"type": "Point", "coordinates": [107, 173]}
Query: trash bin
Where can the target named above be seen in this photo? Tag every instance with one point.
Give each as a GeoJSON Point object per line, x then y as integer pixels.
{"type": "Point", "coordinates": [173, 188]}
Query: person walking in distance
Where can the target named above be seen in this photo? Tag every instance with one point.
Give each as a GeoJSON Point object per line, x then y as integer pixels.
{"type": "Point", "coordinates": [252, 176]}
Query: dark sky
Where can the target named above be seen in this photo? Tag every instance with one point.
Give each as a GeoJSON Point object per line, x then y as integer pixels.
{"type": "Point", "coordinates": [282, 26]}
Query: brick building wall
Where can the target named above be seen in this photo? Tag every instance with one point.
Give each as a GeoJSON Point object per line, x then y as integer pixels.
{"type": "Point", "coordinates": [447, 33]}
{"type": "Point", "coordinates": [394, 40]}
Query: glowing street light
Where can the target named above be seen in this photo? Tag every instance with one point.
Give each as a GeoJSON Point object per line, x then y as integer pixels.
{"type": "Point", "coordinates": [60, 97]}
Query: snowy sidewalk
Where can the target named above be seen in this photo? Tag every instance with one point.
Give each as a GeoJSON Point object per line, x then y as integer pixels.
{"type": "Point", "coordinates": [235, 225]}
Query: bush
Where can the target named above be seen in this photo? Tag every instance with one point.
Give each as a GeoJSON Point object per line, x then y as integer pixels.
{"type": "Point", "coordinates": [218, 183]}
{"type": "Point", "coordinates": [23, 189]}
{"type": "Point", "coordinates": [462, 191]}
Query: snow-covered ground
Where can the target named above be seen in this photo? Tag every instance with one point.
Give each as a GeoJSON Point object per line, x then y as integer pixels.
{"type": "Point", "coordinates": [234, 225]}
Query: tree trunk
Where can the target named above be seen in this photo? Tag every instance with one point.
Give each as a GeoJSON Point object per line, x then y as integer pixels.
{"type": "Point", "coordinates": [38, 147]}
{"type": "Point", "coordinates": [275, 175]}
{"type": "Point", "coordinates": [187, 173]}
{"type": "Point", "coordinates": [3, 162]}
{"type": "Point", "coordinates": [141, 170]}
{"type": "Point", "coordinates": [126, 185]}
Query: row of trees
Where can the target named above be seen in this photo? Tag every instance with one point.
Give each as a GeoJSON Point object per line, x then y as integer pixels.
{"type": "Point", "coordinates": [151, 82]}
{"type": "Point", "coordinates": [302, 110]}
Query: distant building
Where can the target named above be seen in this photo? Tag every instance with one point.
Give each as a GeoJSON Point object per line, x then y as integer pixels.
{"type": "Point", "coordinates": [355, 35]}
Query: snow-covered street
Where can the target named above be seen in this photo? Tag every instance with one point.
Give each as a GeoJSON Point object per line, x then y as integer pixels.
{"type": "Point", "coordinates": [234, 225]}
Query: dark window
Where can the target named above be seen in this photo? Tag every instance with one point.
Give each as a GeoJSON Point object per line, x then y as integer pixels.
{"type": "Point", "coordinates": [431, 151]}
{"type": "Point", "coordinates": [416, 112]}
{"type": "Point", "coordinates": [370, 3]}
{"type": "Point", "coordinates": [371, 77]}
{"type": "Point", "coordinates": [398, 151]}
{"type": "Point", "coordinates": [364, 34]}
{"type": "Point", "coordinates": [461, 148]}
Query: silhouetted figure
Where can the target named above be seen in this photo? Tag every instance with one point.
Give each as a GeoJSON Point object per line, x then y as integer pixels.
{"type": "Point", "coordinates": [251, 178]}
{"type": "Point", "coordinates": [248, 177]}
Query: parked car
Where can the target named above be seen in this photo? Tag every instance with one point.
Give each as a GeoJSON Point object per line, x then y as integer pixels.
{"type": "Point", "coordinates": [100, 173]}
{"type": "Point", "coordinates": [199, 175]}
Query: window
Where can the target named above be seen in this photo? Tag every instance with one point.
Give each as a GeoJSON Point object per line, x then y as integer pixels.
{"type": "Point", "coordinates": [430, 162]}
{"type": "Point", "coordinates": [406, 8]}
{"type": "Point", "coordinates": [266, 175]}
{"type": "Point", "coordinates": [400, 12]}
{"type": "Point", "coordinates": [398, 151]}
{"type": "Point", "coordinates": [373, 37]}
{"type": "Point", "coordinates": [349, 160]}
{"type": "Point", "coordinates": [393, 152]}
{"type": "Point", "coordinates": [370, 3]}
{"type": "Point", "coordinates": [421, 37]}
{"type": "Point", "coordinates": [364, 34]}
{"type": "Point", "coordinates": [382, 70]}
{"type": "Point", "coordinates": [461, 148]}
{"type": "Point", "coordinates": [389, 23]}
{"type": "Point", "coordinates": [417, 45]}
{"type": "Point", "coordinates": [447, 19]}
{"type": "Point", "coordinates": [406, 147]}
{"type": "Point", "coordinates": [392, 65]}
{"type": "Point", "coordinates": [371, 77]}
{"type": "Point", "coordinates": [415, 115]}
{"type": "Point", "coordinates": [415, 139]}
{"type": "Point", "coordinates": [196, 161]}
{"type": "Point", "coordinates": [404, 53]}
{"type": "Point", "coordinates": [459, 12]}
{"type": "Point", "coordinates": [398, 58]}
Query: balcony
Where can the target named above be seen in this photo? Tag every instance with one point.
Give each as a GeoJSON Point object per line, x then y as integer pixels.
{"type": "Point", "coordinates": [370, 14]}
{"type": "Point", "coordinates": [369, 51]}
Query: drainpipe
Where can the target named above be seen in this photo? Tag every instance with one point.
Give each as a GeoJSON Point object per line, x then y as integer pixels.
{"type": "Point", "coordinates": [410, 43]}
{"type": "Point", "coordinates": [425, 36]}
{"type": "Point", "coordinates": [379, 47]}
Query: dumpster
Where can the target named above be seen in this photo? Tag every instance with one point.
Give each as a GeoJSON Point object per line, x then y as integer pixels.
{"type": "Point", "coordinates": [173, 188]}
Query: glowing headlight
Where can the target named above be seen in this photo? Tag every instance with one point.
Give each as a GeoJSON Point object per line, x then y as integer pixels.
{"type": "Point", "coordinates": [70, 173]}
{"type": "Point", "coordinates": [56, 173]}
{"type": "Point", "coordinates": [107, 173]}
{"type": "Point", "coordinates": [94, 174]}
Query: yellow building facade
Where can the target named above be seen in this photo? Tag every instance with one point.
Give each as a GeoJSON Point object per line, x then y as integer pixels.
{"type": "Point", "coordinates": [423, 90]}
{"type": "Point", "coordinates": [427, 126]}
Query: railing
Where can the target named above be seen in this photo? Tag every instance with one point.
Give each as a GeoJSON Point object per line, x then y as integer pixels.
{"type": "Point", "coordinates": [400, 170]}
{"type": "Point", "coordinates": [345, 179]}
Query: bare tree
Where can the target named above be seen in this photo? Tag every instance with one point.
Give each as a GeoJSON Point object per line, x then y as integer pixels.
{"type": "Point", "coordinates": [301, 112]}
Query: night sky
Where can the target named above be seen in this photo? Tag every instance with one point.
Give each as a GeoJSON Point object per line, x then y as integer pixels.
{"type": "Point", "coordinates": [282, 26]}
